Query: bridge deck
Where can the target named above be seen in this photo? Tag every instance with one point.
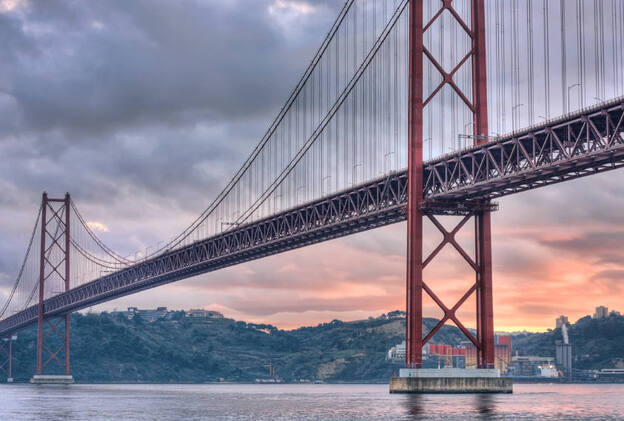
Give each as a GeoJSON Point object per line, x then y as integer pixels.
{"type": "Point", "coordinates": [572, 146]}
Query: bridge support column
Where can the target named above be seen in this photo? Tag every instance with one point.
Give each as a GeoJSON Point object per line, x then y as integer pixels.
{"type": "Point", "coordinates": [53, 331]}
{"type": "Point", "coordinates": [413, 350]}
{"type": "Point", "coordinates": [485, 307]}
{"type": "Point", "coordinates": [483, 231]}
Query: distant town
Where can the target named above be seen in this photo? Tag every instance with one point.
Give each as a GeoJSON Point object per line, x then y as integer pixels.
{"type": "Point", "coordinates": [151, 315]}
{"type": "Point", "coordinates": [521, 367]}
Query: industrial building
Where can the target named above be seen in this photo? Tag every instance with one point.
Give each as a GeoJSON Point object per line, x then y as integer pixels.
{"type": "Point", "coordinates": [563, 358]}
{"type": "Point", "coordinates": [447, 355]}
{"type": "Point", "coordinates": [563, 353]}
{"type": "Point", "coordinates": [530, 366]}
{"type": "Point", "coordinates": [611, 375]}
{"type": "Point", "coordinates": [502, 353]}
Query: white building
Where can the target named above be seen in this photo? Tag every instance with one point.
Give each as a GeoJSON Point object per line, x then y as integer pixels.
{"type": "Point", "coordinates": [397, 352]}
{"type": "Point", "coordinates": [204, 314]}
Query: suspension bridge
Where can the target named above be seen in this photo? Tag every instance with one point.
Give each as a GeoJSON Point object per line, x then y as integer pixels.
{"type": "Point", "coordinates": [407, 111]}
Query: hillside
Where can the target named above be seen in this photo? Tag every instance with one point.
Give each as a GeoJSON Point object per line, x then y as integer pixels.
{"type": "Point", "coordinates": [596, 343]}
{"type": "Point", "coordinates": [111, 348]}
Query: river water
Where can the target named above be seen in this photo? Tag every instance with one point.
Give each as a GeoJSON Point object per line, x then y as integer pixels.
{"type": "Point", "coordinates": [303, 402]}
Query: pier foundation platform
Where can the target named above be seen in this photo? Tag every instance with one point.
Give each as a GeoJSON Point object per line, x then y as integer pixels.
{"type": "Point", "coordinates": [49, 379]}
{"type": "Point", "coordinates": [450, 380]}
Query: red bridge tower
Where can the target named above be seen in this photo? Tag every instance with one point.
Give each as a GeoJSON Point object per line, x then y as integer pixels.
{"type": "Point", "coordinates": [418, 208]}
{"type": "Point", "coordinates": [53, 330]}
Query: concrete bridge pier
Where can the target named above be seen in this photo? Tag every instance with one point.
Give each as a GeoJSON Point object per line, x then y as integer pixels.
{"type": "Point", "coordinates": [450, 380]}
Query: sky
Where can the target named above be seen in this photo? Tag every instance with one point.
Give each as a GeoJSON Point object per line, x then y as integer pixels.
{"type": "Point", "coordinates": [144, 110]}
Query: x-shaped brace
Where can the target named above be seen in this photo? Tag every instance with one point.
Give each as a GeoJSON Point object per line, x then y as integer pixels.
{"type": "Point", "coordinates": [53, 355]}
{"type": "Point", "coordinates": [450, 313]}
{"type": "Point", "coordinates": [447, 78]}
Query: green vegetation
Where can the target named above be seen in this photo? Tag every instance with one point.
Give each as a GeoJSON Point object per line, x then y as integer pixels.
{"type": "Point", "coordinates": [111, 348]}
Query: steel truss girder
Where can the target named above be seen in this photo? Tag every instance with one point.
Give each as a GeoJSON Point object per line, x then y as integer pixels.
{"type": "Point", "coordinates": [573, 146]}
{"type": "Point", "coordinates": [377, 203]}
{"type": "Point", "coordinates": [371, 205]}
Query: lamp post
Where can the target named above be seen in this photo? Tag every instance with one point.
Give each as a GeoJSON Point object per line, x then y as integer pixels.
{"type": "Point", "coordinates": [569, 89]}
{"type": "Point", "coordinates": [461, 136]}
{"type": "Point", "coordinates": [297, 192]}
{"type": "Point", "coordinates": [513, 113]}
{"type": "Point", "coordinates": [275, 201]}
{"type": "Point", "coordinates": [355, 172]}
{"type": "Point", "coordinates": [386, 156]}
{"type": "Point", "coordinates": [430, 140]}
{"type": "Point", "coordinates": [229, 224]}
{"type": "Point", "coordinates": [323, 184]}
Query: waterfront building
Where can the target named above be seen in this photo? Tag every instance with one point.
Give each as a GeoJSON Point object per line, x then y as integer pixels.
{"type": "Point", "coordinates": [530, 365]}
{"type": "Point", "coordinates": [563, 357]}
{"type": "Point", "coordinates": [502, 353]}
{"type": "Point", "coordinates": [397, 352]}
{"type": "Point", "coordinates": [447, 355]}
{"type": "Point", "coordinates": [615, 375]}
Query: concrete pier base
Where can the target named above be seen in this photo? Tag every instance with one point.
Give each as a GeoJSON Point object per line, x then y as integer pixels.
{"type": "Point", "coordinates": [450, 380]}
{"type": "Point", "coordinates": [10, 380]}
{"type": "Point", "coordinates": [49, 379]}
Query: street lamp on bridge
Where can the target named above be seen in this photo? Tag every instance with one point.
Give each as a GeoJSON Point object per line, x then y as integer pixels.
{"type": "Point", "coordinates": [569, 89]}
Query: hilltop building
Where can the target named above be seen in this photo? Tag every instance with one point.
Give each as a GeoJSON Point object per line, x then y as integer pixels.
{"type": "Point", "coordinates": [397, 314]}
{"type": "Point", "coordinates": [560, 321]}
{"type": "Point", "coordinates": [601, 312]}
{"type": "Point", "coordinates": [204, 314]}
{"type": "Point", "coordinates": [149, 315]}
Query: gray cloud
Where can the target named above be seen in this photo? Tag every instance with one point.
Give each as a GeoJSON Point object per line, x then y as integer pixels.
{"type": "Point", "coordinates": [139, 109]}
{"type": "Point", "coordinates": [143, 110]}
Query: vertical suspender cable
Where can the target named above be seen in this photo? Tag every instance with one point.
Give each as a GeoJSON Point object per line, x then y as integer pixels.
{"type": "Point", "coordinates": [580, 13]}
{"type": "Point", "coordinates": [564, 81]}
{"type": "Point", "coordinates": [546, 57]}
{"type": "Point", "coordinates": [530, 61]}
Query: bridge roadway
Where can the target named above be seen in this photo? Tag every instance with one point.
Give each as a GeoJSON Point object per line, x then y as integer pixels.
{"type": "Point", "coordinates": [572, 146]}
